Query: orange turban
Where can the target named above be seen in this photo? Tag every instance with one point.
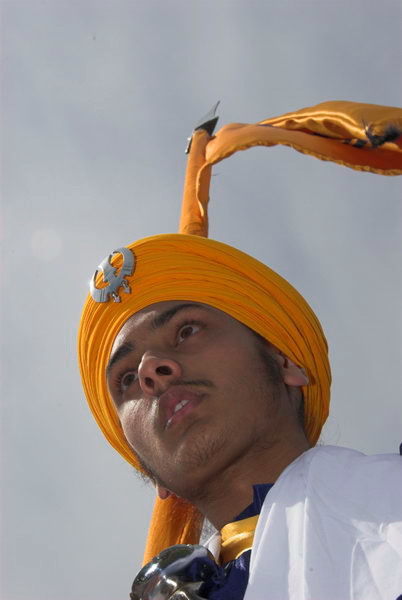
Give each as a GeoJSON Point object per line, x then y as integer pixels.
{"type": "Point", "coordinates": [190, 267]}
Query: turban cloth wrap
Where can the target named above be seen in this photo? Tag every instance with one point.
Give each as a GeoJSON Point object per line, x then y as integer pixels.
{"type": "Point", "coordinates": [188, 266]}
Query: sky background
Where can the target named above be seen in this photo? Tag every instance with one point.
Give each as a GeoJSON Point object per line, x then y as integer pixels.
{"type": "Point", "coordinates": [98, 99]}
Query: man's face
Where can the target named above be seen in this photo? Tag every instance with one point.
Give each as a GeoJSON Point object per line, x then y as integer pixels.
{"type": "Point", "coordinates": [192, 391]}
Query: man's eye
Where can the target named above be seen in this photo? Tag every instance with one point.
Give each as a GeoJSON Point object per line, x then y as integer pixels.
{"type": "Point", "coordinates": [187, 331]}
{"type": "Point", "coordinates": [127, 380]}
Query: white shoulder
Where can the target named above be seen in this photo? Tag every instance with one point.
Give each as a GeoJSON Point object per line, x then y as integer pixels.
{"type": "Point", "coordinates": [331, 527]}
{"type": "Point", "coordinates": [346, 477]}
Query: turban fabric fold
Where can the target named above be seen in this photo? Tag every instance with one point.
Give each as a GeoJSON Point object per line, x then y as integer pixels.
{"type": "Point", "coordinates": [188, 266]}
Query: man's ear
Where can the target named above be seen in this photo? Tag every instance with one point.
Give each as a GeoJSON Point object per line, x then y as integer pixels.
{"type": "Point", "coordinates": [162, 492]}
{"type": "Point", "coordinates": [292, 374]}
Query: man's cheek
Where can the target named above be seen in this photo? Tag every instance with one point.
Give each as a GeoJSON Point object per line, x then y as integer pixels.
{"type": "Point", "coordinates": [130, 422]}
{"type": "Point", "coordinates": [138, 428]}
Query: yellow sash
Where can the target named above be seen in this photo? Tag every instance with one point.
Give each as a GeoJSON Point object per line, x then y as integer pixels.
{"type": "Point", "coordinates": [237, 537]}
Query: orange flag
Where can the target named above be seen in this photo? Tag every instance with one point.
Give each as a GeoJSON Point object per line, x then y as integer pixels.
{"type": "Point", "coordinates": [365, 137]}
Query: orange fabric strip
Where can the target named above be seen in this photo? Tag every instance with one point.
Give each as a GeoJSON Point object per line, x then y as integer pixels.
{"type": "Point", "coordinates": [340, 119]}
{"type": "Point", "coordinates": [194, 215]}
{"type": "Point", "coordinates": [363, 137]}
{"type": "Point", "coordinates": [385, 160]}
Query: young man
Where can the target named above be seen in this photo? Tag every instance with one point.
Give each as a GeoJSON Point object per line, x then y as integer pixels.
{"type": "Point", "coordinates": [210, 373]}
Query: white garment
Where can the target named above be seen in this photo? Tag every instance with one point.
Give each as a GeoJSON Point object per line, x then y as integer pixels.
{"type": "Point", "coordinates": [331, 529]}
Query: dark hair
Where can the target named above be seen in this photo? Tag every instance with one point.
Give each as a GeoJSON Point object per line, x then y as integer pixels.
{"type": "Point", "coordinates": [274, 371]}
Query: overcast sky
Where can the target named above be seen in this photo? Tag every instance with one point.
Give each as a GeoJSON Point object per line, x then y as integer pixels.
{"type": "Point", "coordinates": [98, 99]}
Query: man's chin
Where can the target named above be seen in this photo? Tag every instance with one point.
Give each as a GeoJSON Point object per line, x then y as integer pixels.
{"type": "Point", "coordinates": [192, 466]}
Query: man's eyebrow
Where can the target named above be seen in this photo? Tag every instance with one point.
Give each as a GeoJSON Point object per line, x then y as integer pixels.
{"type": "Point", "coordinates": [165, 317]}
{"type": "Point", "coordinates": [157, 322]}
{"type": "Point", "coordinates": [120, 353]}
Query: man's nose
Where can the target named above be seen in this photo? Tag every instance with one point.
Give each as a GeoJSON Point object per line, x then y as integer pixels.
{"type": "Point", "coordinates": [155, 373]}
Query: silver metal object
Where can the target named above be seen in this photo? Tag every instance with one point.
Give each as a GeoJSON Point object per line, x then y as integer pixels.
{"type": "Point", "coordinates": [115, 282]}
{"type": "Point", "coordinates": [207, 122]}
{"type": "Point", "coordinates": [177, 573]}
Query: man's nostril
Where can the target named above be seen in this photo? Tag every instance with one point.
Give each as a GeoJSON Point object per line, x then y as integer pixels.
{"type": "Point", "coordinates": [148, 382]}
{"type": "Point", "coordinates": [164, 370]}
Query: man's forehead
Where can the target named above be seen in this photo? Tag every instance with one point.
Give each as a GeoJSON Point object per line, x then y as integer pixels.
{"type": "Point", "coordinates": [159, 307]}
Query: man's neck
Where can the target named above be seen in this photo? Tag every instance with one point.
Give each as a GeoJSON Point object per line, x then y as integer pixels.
{"type": "Point", "coordinates": [224, 497]}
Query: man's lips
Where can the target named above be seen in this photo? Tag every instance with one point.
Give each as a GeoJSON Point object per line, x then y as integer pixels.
{"type": "Point", "coordinates": [176, 402]}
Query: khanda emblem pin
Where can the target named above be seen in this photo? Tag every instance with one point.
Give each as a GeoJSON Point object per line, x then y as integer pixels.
{"type": "Point", "coordinates": [114, 282]}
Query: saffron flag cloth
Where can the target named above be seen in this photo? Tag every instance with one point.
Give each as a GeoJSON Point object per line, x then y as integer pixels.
{"type": "Point", "coordinates": [190, 267]}
{"type": "Point", "coordinates": [331, 528]}
{"type": "Point", "coordinates": [365, 137]}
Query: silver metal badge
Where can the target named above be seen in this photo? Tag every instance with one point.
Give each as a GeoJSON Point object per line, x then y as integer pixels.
{"type": "Point", "coordinates": [115, 282]}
